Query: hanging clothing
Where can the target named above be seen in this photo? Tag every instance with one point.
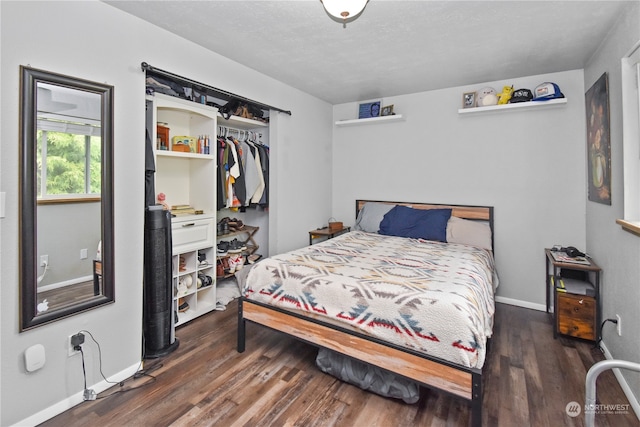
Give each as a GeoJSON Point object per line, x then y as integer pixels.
{"type": "Point", "coordinates": [243, 173]}
{"type": "Point", "coordinates": [264, 162]}
{"type": "Point", "coordinates": [251, 171]}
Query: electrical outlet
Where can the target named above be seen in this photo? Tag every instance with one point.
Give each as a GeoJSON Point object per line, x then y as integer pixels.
{"type": "Point", "coordinates": [44, 260]}
{"type": "Point", "coordinates": [71, 343]}
{"type": "Point", "coordinates": [619, 324]}
{"type": "Point", "coordinates": [83, 254]}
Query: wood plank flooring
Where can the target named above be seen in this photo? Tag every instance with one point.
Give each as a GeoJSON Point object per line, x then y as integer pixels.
{"type": "Point", "coordinates": [529, 380]}
{"type": "Point", "coordinates": [67, 295]}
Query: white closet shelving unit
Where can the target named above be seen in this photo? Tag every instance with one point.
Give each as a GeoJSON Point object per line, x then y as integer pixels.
{"type": "Point", "coordinates": [188, 178]}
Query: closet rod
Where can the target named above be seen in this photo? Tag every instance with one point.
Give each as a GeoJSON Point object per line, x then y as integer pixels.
{"type": "Point", "coordinates": [146, 67]}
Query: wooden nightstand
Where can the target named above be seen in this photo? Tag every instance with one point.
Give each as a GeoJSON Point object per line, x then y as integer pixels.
{"type": "Point", "coordinates": [97, 276]}
{"type": "Point", "coordinates": [576, 297]}
{"type": "Point", "coordinates": [326, 232]}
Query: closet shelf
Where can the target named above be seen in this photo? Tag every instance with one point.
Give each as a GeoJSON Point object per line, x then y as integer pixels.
{"type": "Point", "coordinates": [173, 103]}
{"type": "Point", "coordinates": [371, 120]}
{"type": "Point", "coordinates": [240, 122]}
{"type": "Point", "coordinates": [167, 153]}
{"type": "Point", "coordinates": [520, 105]}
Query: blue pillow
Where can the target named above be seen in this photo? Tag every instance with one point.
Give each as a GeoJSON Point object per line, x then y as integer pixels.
{"type": "Point", "coordinates": [429, 224]}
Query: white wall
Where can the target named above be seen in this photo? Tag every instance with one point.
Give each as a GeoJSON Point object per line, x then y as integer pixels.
{"type": "Point", "coordinates": [95, 41]}
{"type": "Point", "coordinates": [77, 227]}
{"type": "Point", "coordinates": [528, 164]}
{"type": "Point", "coordinates": [617, 251]}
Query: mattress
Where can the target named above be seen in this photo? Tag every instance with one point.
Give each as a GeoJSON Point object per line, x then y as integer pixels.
{"type": "Point", "coordinates": [431, 297]}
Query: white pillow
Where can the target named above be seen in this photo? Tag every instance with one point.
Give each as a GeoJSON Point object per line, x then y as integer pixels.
{"type": "Point", "coordinates": [371, 215]}
{"type": "Point", "coordinates": [473, 233]}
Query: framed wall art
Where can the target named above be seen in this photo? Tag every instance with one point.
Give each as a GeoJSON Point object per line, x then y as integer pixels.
{"type": "Point", "coordinates": [369, 109]}
{"type": "Point", "coordinates": [468, 100]}
{"type": "Point", "coordinates": [598, 142]}
{"type": "Point", "coordinates": [387, 110]}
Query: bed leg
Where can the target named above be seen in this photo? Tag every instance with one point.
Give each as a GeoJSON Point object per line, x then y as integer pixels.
{"type": "Point", "coordinates": [241, 328]}
{"type": "Point", "coordinates": [476, 400]}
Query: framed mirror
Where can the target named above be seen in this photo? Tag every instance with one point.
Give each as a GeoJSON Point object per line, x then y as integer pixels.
{"type": "Point", "coordinates": [66, 196]}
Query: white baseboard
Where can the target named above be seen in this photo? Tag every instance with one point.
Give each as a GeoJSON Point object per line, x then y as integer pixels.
{"type": "Point", "coordinates": [520, 303]}
{"type": "Point", "coordinates": [623, 383]}
{"type": "Point", "coordinates": [71, 401]}
{"type": "Point", "coordinates": [64, 283]}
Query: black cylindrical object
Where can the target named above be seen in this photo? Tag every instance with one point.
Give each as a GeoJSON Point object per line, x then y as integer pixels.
{"type": "Point", "coordinates": [158, 321]}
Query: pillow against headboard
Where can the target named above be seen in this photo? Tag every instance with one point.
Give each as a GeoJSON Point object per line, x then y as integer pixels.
{"type": "Point", "coordinates": [430, 224]}
{"type": "Point", "coordinates": [371, 215]}
{"type": "Point", "coordinates": [473, 233]}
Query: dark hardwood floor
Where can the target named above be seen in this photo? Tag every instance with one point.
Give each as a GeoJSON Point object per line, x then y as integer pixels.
{"type": "Point", "coordinates": [67, 295]}
{"type": "Point", "coordinates": [529, 380]}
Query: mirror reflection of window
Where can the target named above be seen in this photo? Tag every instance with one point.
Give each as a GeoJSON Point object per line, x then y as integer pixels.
{"type": "Point", "coordinates": [68, 143]}
{"type": "Point", "coordinates": [68, 164]}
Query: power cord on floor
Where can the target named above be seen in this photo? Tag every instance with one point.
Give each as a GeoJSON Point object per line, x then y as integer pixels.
{"type": "Point", "coordinates": [597, 344]}
{"type": "Point", "coordinates": [99, 358]}
{"type": "Point", "coordinates": [90, 394]}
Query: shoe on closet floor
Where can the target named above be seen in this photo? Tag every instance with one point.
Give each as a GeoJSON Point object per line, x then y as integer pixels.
{"type": "Point", "coordinates": [222, 248]}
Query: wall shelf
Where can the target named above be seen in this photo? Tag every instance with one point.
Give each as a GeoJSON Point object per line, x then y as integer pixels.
{"type": "Point", "coordinates": [529, 105]}
{"type": "Point", "coordinates": [371, 120]}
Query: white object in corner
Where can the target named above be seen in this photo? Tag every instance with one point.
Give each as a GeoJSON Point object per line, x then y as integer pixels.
{"type": "Point", "coordinates": [34, 357]}
{"type": "Point", "coordinates": [3, 200]}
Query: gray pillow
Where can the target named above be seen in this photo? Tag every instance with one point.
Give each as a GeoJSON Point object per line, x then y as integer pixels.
{"type": "Point", "coordinates": [474, 233]}
{"type": "Point", "coordinates": [371, 215]}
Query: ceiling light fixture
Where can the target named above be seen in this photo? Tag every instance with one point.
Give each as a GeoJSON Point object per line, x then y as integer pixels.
{"type": "Point", "coordinates": [344, 10]}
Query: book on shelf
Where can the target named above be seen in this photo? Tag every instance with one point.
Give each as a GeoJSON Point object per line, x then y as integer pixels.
{"type": "Point", "coordinates": [182, 210]}
{"type": "Point", "coordinates": [561, 256]}
{"type": "Point", "coordinates": [574, 286]}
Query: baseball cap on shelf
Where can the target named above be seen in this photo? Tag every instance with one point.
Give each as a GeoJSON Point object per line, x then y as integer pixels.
{"type": "Point", "coordinates": [546, 91]}
{"type": "Point", "coordinates": [521, 95]}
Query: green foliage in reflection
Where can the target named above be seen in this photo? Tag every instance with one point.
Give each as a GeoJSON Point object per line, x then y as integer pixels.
{"type": "Point", "coordinates": [66, 162]}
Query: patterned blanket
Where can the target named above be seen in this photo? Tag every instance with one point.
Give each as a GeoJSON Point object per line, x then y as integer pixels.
{"type": "Point", "coordinates": [435, 298]}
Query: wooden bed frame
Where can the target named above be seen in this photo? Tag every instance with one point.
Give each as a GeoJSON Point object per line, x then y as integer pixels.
{"type": "Point", "coordinates": [429, 371]}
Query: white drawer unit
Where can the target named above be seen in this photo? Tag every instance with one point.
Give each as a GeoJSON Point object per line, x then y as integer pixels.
{"type": "Point", "coordinates": [190, 234]}
{"type": "Point", "coordinates": [194, 256]}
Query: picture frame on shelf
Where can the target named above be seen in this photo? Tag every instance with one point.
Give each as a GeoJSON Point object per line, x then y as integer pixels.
{"type": "Point", "coordinates": [369, 109]}
{"type": "Point", "coordinates": [387, 110]}
{"type": "Point", "coordinates": [468, 100]}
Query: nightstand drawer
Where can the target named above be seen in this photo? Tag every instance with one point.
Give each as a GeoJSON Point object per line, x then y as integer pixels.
{"type": "Point", "coordinates": [576, 315]}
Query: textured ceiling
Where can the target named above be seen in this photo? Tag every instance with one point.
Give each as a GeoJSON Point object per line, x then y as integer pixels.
{"type": "Point", "coordinates": [394, 47]}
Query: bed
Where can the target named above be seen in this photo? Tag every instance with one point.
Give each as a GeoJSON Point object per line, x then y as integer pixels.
{"type": "Point", "coordinates": [409, 290]}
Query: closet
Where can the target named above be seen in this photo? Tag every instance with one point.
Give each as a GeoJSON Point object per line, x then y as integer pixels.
{"type": "Point", "coordinates": [242, 191]}
{"type": "Point", "coordinates": [189, 141]}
